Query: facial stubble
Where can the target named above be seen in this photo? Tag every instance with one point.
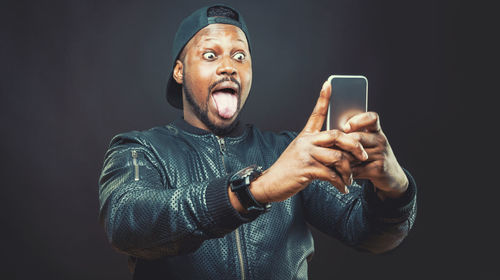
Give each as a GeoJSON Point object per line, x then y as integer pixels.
{"type": "Point", "coordinates": [202, 112]}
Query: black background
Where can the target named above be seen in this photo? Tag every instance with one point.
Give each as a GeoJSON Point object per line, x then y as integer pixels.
{"type": "Point", "coordinates": [75, 73]}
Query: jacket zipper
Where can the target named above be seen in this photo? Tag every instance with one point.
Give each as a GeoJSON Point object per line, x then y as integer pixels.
{"type": "Point", "coordinates": [136, 166]}
{"type": "Point", "coordinates": [222, 146]}
{"type": "Point", "coordinates": [240, 255]}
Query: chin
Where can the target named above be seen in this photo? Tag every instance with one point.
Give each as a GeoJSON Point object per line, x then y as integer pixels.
{"type": "Point", "coordinates": [221, 126]}
{"type": "Point", "coordinates": [223, 123]}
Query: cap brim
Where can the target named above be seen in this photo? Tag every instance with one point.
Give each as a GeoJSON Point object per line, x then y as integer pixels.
{"type": "Point", "coordinates": [174, 93]}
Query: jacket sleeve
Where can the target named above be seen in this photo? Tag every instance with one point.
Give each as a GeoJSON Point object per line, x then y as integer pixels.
{"type": "Point", "coordinates": [360, 219]}
{"type": "Point", "coordinates": [145, 217]}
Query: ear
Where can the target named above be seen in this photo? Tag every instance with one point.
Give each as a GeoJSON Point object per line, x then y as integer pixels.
{"type": "Point", "coordinates": [178, 71]}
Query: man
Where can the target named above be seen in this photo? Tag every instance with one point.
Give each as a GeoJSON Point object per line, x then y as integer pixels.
{"type": "Point", "coordinates": [207, 197]}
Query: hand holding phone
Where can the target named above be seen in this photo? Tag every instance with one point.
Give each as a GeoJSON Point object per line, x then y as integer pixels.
{"type": "Point", "coordinates": [349, 97]}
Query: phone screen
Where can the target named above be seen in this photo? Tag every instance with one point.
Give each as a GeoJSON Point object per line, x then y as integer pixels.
{"type": "Point", "coordinates": [349, 97]}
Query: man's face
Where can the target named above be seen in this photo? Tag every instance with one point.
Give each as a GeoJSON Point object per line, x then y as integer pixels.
{"type": "Point", "coordinates": [216, 77]}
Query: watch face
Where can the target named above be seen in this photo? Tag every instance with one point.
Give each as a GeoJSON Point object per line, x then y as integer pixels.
{"type": "Point", "coordinates": [247, 171]}
{"type": "Point", "coordinates": [240, 176]}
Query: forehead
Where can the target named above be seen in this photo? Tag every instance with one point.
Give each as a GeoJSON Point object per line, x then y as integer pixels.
{"type": "Point", "coordinates": [219, 32]}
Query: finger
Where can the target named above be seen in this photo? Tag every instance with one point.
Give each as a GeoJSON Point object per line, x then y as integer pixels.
{"type": "Point", "coordinates": [331, 138]}
{"type": "Point", "coordinates": [343, 167]}
{"type": "Point", "coordinates": [318, 115]}
{"type": "Point", "coordinates": [328, 156]}
{"type": "Point", "coordinates": [335, 159]}
{"type": "Point", "coordinates": [368, 139]}
{"type": "Point", "coordinates": [325, 173]}
{"type": "Point", "coordinates": [368, 121]}
{"type": "Point", "coordinates": [365, 170]}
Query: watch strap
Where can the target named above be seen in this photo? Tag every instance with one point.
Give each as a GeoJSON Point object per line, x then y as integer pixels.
{"type": "Point", "coordinates": [240, 183]}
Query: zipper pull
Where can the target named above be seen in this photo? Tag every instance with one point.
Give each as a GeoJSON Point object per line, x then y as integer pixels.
{"type": "Point", "coordinates": [222, 144]}
{"type": "Point", "coordinates": [136, 166]}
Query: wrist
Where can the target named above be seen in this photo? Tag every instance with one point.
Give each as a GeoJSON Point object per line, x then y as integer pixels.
{"type": "Point", "coordinates": [257, 188]}
{"type": "Point", "coordinates": [395, 190]}
{"type": "Point", "coordinates": [240, 184]}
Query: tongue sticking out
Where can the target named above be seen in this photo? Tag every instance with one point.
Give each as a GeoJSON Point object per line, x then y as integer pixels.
{"type": "Point", "coordinates": [226, 103]}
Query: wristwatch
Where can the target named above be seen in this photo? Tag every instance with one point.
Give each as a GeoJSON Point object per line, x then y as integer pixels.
{"type": "Point", "coordinates": [240, 183]}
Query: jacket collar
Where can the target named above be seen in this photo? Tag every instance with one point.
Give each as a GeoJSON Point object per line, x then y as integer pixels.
{"type": "Point", "coordinates": [184, 125]}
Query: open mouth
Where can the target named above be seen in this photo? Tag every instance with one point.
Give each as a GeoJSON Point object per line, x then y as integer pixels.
{"type": "Point", "coordinates": [225, 96]}
{"type": "Point", "coordinates": [227, 90]}
{"type": "Point", "coordinates": [227, 87]}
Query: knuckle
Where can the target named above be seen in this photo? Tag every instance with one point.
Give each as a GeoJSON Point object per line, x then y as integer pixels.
{"type": "Point", "coordinates": [335, 133]}
{"type": "Point", "coordinates": [337, 155]}
{"type": "Point", "coordinates": [373, 115]}
{"type": "Point", "coordinates": [382, 141]}
{"type": "Point", "coordinates": [300, 141]}
{"type": "Point", "coordinates": [340, 156]}
{"type": "Point", "coordinates": [318, 113]}
{"type": "Point", "coordinates": [305, 179]}
{"type": "Point", "coordinates": [355, 136]}
{"type": "Point", "coordinates": [306, 159]}
{"type": "Point", "coordinates": [381, 166]}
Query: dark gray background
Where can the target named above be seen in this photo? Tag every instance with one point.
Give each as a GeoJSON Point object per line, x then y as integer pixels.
{"type": "Point", "coordinates": [75, 73]}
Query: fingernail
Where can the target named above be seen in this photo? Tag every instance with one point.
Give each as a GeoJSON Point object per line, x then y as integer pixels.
{"type": "Point", "coordinates": [346, 127]}
{"type": "Point", "coordinates": [365, 155]}
{"type": "Point", "coordinates": [324, 85]}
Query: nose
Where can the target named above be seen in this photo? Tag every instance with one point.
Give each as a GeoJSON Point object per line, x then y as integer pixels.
{"type": "Point", "coordinates": [226, 68]}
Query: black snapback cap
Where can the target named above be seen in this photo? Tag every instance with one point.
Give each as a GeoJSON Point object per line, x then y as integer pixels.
{"type": "Point", "coordinates": [198, 20]}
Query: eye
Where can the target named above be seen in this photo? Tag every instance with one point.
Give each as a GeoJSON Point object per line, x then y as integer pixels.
{"type": "Point", "coordinates": [209, 55]}
{"type": "Point", "coordinates": [239, 56]}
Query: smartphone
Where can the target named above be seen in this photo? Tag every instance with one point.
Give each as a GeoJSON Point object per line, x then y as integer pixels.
{"type": "Point", "coordinates": [349, 97]}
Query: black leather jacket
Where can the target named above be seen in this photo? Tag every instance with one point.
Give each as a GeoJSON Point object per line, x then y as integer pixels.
{"type": "Point", "coordinates": [163, 201]}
